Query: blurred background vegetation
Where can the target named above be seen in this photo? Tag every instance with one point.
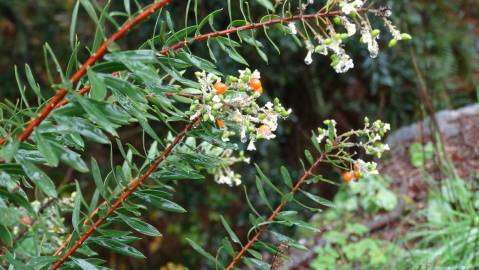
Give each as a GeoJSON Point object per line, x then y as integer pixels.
{"type": "Point", "coordinates": [440, 67]}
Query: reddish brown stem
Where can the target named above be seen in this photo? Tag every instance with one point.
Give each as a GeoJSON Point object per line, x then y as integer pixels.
{"type": "Point", "coordinates": [123, 196]}
{"type": "Point", "coordinates": [60, 95]}
{"type": "Point", "coordinates": [182, 44]}
{"type": "Point", "coordinates": [274, 214]}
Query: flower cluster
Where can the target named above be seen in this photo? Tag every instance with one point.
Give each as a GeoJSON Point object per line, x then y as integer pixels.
{"type": "Point", "coordinates": [222, 173]}
{"type": "Point", "coordinates": [330, 40]}
{"type": "Point", "coordinates": [232, 105]}
{"type": "Point", "coordinates": [368, 138]}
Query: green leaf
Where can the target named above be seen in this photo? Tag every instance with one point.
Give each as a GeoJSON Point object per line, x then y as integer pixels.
{"type": "Point", "coordinates": [95, 113]}
{"type": "Point", "coordinates": [203, 253]}
{"type": "Point", "coordinates": [139, 225]}
{"type": "Point", "coordinates": [90, 10]}
{"type": "Point", "coordinates": [76, 208]}
{"type": "Point", "coordinates": [16, 197]}
{"type": "Point", "coordinates": [262, 194]}
{"type": "Point", "coordinates": [31, 81]}
{"type": "Point", "coordinates": [267, 4]}
{"type": "Point", "coordinates": [42, 262]}
{"type": "Point", "coordinates": [73, 24]}
{"type": "Point", "coordinates": [46, 149]}
{"type": "Point", "coordinates": [257, 264]}
{"type": "Point", "coordinates": [420, 153]}
{"type": "Point", "coordinates": [38, 177]}
{"type": "Point", "coordinates": [5, 235]}
{"type": "Point", "coordinates": [309, 156]}
{"type": "Point", "coordinates": [118, 247]}
{"type": "Point", "coordinates": [98, 88]}
{"type": "Point", "coordinates": [161, 203]}
{"type": "Point", "coordinates": [95, 171]}
{"type": "Point", "coordinates": [84, 264]}
{"type": "Point", "coordinates": [386, 199]}
{"type": "Point", "coordinates": [286, 177]}
{"type": "Point", "coordinates": [69, 157]}
{"type": "Point", "coordinates": [230, 231]}
{"type": "Point", "coordinates": [8, 151]}
{"type": "Point", "coordinates": [319, 200]}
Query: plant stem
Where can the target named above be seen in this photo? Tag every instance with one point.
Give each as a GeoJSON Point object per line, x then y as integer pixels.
{"type": "Point", "coordinates": [124, 196]}
{"type": "Point", "coordinates": [97, 55]}
{"type": "Point", "coordinates": [274, 214]}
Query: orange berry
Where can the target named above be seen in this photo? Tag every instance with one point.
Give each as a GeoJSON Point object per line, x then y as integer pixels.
{"type": "Point", "coordinates": [356, 166]}
{"type": "Point", "coordinates": [220, 88]}
{"type": "Point", "coordinates": [25, 220]}
{"type": "Point", "coordinates": [357, 175]}
{"type": "Point", "coordinates": [255, 84]}
{"type": "Point", "coordinates": [220, 123]}
{"type": "Point", "coordinates": [347, 176]}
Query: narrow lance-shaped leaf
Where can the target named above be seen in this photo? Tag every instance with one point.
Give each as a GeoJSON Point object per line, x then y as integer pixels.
{"type": "Point", "coordinates": [76, 208]}
{"type": "Point", "coordinates": [98, 88]}
{"type": "Point", "coordinates": [139, 225]}
{"type": "Point", "coordinates": [38, 177]}
{"type": "Point", "coordinates": [95, 171]}
{"type": "Point", "coordinates": [230, 231]}
{"type": "Point", "coordinates": [118, 247]}
{"type": "Point", "coordinates": [286, 177]}
{"type": "Point", "coordinates": [205, 254]}
{"type": "Point", "coordinates": [46, 150]}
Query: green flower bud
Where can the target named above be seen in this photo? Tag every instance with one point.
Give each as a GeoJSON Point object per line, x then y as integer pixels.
{"type": "Point", "coordinates": [406, 36]}
{"type": "Point", "coordinates": [328, 41]}
{"type": "Point", "coordinates": [338, 37]}
{"type": "Point", "coordinates": [375, 33]}
{"type": "Point", "coordinates": [261, 116]}
{"type": "Point", "coordinates": [241, 87]}
{"type": "Point", "coordinates": [208, 97]}
{"type": "Point", "coordinates": [392, 43]}
{"type": "Point", "coordinates": [318, 49]}
{"type": "Point", "coordinates": [284, 113]}
{"type": "Point", "coordinates": [232, 79]}
{"type": "Point", "coordinates": [337, 20]}
{"type": "Point", "coordinates": [344, 36]}
{"type": "Point", "coordinates": [276, 101]}
{"type": "Point", "coordinates": [205, 117]}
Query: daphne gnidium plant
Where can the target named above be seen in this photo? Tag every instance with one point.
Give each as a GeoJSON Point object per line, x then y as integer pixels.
{"type": "Point", "coordinates": [196, 121]}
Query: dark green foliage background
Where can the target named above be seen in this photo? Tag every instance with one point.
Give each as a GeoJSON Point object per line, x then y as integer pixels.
{"type": "Point", "coordinates": [445, 46]}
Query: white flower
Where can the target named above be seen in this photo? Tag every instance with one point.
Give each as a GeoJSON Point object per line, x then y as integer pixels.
{"type": "Point", "coordinates": [367, 167]}
{"type": "Point", "coordinates": [343, 63]}
{"type": "Point", "coordinates": [308, 59]}
{"type": "Point", "coordinates": [393, 29]}
{"type": "Point", "coordinates": [348, 7]}
{"type": "Point", "coordinates": [292, 28]}
{"type": "Point", "coordinates": [251, 146]}
{"type": "Point", "coordinates": [256, 74]}
{"type": "Point", "coordinates": [350, 27]}
{"type": "Point", "coordinates": [321, 135]}
{"type": "Point", "coordinates": [387, 127]}
{"type": "Point", "coordinates": [227, 176]}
